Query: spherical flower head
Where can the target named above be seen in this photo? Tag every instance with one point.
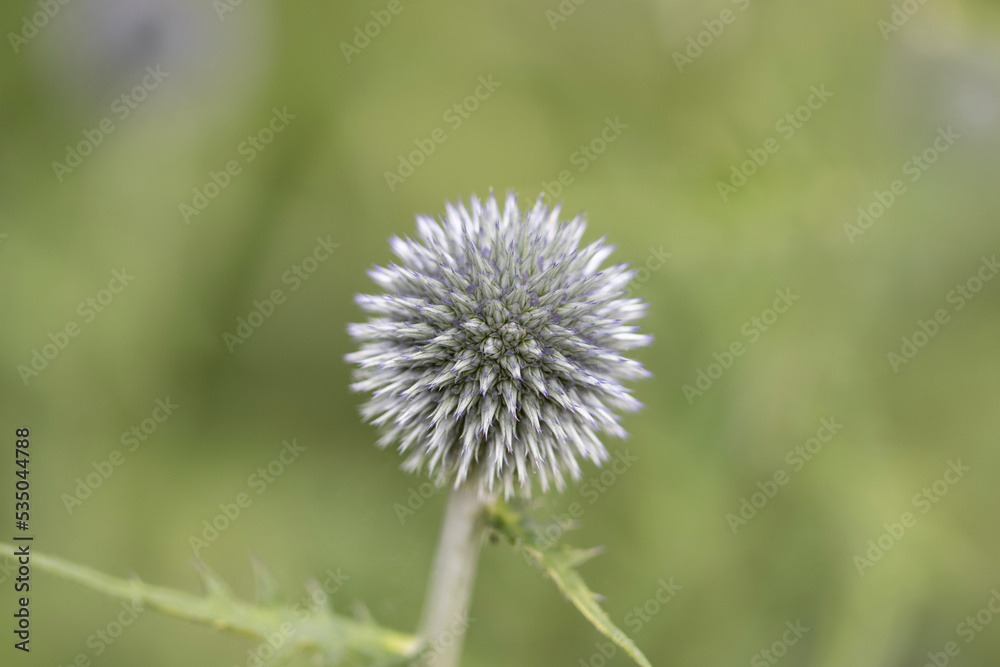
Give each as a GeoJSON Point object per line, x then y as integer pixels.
{"type": "Point", "coordinates": [496, 352]}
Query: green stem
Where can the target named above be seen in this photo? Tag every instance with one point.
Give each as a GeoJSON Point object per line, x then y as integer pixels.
{"type": "Point", "coordinates": [446, 609]}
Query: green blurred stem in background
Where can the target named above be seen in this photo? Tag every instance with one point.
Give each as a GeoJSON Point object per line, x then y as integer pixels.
{"type": "Point", "coordinates": [446, 608]}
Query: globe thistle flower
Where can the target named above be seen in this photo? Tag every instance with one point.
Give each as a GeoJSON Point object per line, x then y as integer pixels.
{"type": "Point", "coordinates": [496, 352]}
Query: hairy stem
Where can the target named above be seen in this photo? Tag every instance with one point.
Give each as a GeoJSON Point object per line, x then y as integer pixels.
{"type": "Point", "coordinates": [446, 609]}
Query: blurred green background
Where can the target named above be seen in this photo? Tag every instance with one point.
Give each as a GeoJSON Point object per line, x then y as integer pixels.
{"type": "Point", "coordinates": [654, 189]}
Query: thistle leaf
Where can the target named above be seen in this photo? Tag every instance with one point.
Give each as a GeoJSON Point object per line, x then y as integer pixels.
{"type": "Point", "coordinates": [315, 631]}
{"type": "Point", "coordinates": [560, 562]}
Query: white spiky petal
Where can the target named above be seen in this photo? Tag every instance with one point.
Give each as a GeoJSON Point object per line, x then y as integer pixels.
{"type": "Point", "coordinates": [496, 352]}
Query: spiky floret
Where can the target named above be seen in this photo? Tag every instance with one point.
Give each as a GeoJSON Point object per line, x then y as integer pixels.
{"type": "Point", "coordinates": [496, 352]}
